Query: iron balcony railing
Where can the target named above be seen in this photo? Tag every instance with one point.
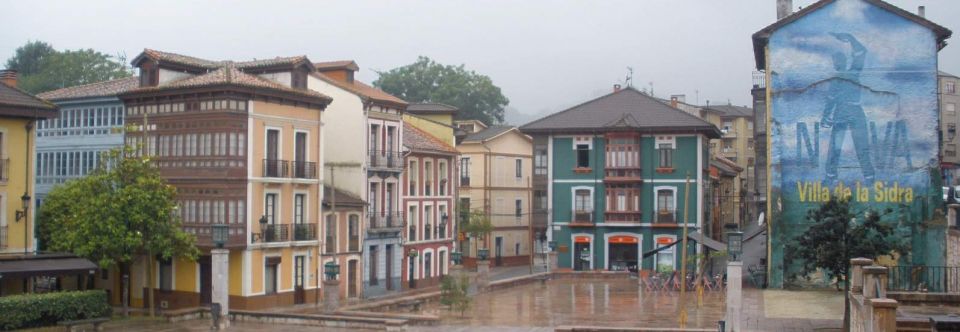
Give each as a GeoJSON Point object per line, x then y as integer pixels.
{"type": "Point", "coordinates": [385, 159]}
{"type": "Point", "coordinates": [465, 181]}
{"type": "Point", "coordinates": [3, 237]}
{"type": "Point", "coordinates": [304, 169]}
{"type": "Point", "coordinates": [377, 222]}
{"type": "Point", "coordinates": [275, 168]}
{"type": "Point", "coordinates": [936, 279]}
{"type": "Point", "coordinates": [583, 216]}
{"type": "Point", "coordinates": [275, 233]}
{"type": "Point", "coordinates": [304, 232]}
{"type": "Point", "coordinates": [666, 216]}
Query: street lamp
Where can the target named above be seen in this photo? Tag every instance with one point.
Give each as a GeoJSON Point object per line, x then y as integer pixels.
{"type": "Point", "coordinates": [25, 201]}
{"type": "Point", "coordinates": [734, 242]}
{"type": "Point", "coordinates": [331, 270]}
{"type": "Point", "coordinates": [457, 257]}
{"type": "Point", "coordinates": [482, 254]}
{"type": "Point", "coordinates": [219, 234]}
{"type": "Point", "coordinates": [263, 228]}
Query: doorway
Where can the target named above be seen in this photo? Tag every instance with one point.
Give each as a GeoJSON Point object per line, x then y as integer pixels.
{"type": "Point", "coordinates": [622, 253]}
{"type": "Point", "coordinates": [206, 280]}
{"type": "Point", "coordinates": [581, 256]}
{"type": "Point", "coordinates": [498, 251]}
{"type": "Point", "coordinates": [299, 295]}
{"type": "Point", "coordinates": [352, 278]}
{"type": "Point", "coordinates": [389, 266]}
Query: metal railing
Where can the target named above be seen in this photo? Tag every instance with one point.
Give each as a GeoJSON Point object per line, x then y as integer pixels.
{"type": "Point", "coordinates": [275, 168]}
{"type": "Point", "coordinates": [583, 216]}
{"type": "Point", "coordinates": [354, 243]}
{"type": "Point", "coordinates": [275, 233]}
{"type": "Point", "coordinates": [666, 216]}
{"type": "Point", "coordinates": [304, 232]}
{"type": "Point", "coordinates": [759, 79]}
{"type": "Point", "coordinates": [304, 169]}
{"type": "Point", "coordinates": [382, 222]}
{"type": "Point", "coordinates": [465, 181]}
{"type": "Point", "coordinates": [938, 279]}
{"type": "Point", "coordinates": [385, 159]}
{"type": "Point", "coordinates": [3, 237]}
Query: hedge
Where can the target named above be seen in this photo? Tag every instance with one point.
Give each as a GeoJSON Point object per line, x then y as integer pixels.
{"type": "Point", "coordinates": [33, 310]}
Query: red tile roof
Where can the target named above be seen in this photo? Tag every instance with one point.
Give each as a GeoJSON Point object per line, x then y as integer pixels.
{"type": "Point", "coordinates": [278, 61]}
{"type": "Point", "coordinates": [418, 140]}
{"type": "Point", "coordinates": [99, 89]}
{"type": "Point", "coordinates": [228, 74]}
{"type": "Point", "coordinates": [364, 91]}
{"type": "Point", "coordinates": [340, 64]}
{"type": "Point", "coordinates": [181, 59]}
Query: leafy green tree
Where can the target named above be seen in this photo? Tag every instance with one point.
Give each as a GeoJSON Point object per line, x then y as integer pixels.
{"type": "Point", "coordinates": [427, 81]}
{"type": "Point", "coordinates": [453, 293]}
{"type": "Point", "coordinates": [478, 226]}
{"type": "Point", "coordinates": [27, 58]}
{"type": "Point", "coordinates": [43, 68]}
{"type": "Point", "coordinates": [119, 212]}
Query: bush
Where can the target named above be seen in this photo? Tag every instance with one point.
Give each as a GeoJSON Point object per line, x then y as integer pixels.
{"type": "Point", "coordinates": [33, 310]}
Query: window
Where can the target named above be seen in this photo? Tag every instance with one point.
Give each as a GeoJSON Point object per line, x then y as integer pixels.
{"type": "Point", "coordinates": [442, 191]}
{"type": "Point", "coordinates": [427, 258]}
{"type": "Point", "coordinates": [518, 209]}
{"type": "Point", "coordinates": [354, 228]}
{"type": "Point", "coordinates": [665, 257]}
{"type": "Point", "coordinates": [583, 156]}
{"type": "Point", "coordinates": [414, 222]}
{"type": "Point", "coordinates": [519, 168]}
{"type": "Point", "coordinates": [390, 143]}
{"type": "Point", "coordinates": [373, 266]}
{"type": "Point", "coordinates": [727, 126]}
{"type": "Point", "coordinates": [949, 87]}
{"type": "Point", "coordinates": [621, 201]}
{"type": "Point", "coordinates": [465, 171]}
{"type": "Point", "coordinates": [298, 201]}
{"type": "Point", "coordinates": [582, 201]}
{"type": "Point", "coordinates": [427, 224]}
{"type": "Point", "coordinates": [330, 240]}
{"type": "Point", "coordinates": [666, 155]}
{"type": "Point", "coordinates": [951, 131]}
{"type": "Point", "coordinates": [665, 200]}
{"type": "Point", "coordinates": [540, 161]}
{"type": "Point", "coordinates": [950, 108]}
{"type": "Point", "coordinates": [166, 274]}
{"type": "Point", "coordinates": [374, 139]}
{"type": "Point", "coordinates": [413, 176]}
{"type": "Point", "coordinates": [427, 178]}
{"type": "Point", "coordinates": [270, 208]}
{"type": "Point", "coordinates": [539, 200]}
{"type": "Point", "coordinates": [270, 277]}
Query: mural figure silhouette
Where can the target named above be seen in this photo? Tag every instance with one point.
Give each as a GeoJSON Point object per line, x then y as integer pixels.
{"type": "Point", "coordinates": [843, 111]}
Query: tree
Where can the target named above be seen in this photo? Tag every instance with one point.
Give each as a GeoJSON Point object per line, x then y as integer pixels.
{"type": "Point", "coordinates": [120, 211]}
{"type": "Point", "coordinates": [477, 226]}
{"type": "Point", "coordinates": [427, 81]}
{"type": "Point", "coordinates": [836, 236]}
{"type": "Point", "coordinates": [43, 68]}
{"type": "Point", "coordinates": [454, 293]}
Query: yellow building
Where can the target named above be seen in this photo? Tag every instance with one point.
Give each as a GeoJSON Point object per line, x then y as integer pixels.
{"type": "Point", "coordinates": [495, 173]}
{"type": "Point", "coordinates": [433, 118]}
{"type": "Point", "coordinates": [241, 142]}
{"type": "Point", "coordinates": [20, 269]}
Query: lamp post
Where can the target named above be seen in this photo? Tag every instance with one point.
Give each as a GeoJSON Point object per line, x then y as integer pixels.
{"type": "Point", "coordinates": [22, 214]}
{"type": "Point", "coordinates": [263, 228]}
{"type": "Point", "coordinates": [457, 257]}
{"type": "Point", "coordinates": [331, 286]}
{"type": "Point", "coordinates": [220, 261]}
{"type": "Point", "coordinates": [734, 275]}
{"type": "Point", "coordinates": [734, 242]}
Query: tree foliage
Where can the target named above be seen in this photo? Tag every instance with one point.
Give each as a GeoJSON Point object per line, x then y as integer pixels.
{"type": "Point", "coordinates": [121, 210]}
{"type": "Point", "coordinates": [837, 235]}
{"type": "Point", "coordinates": [42, 68]}
{"type": "Point", "coordinates": [454, 293]}
{"type": "Point", "coordinates": [475, 95]}
{"type": "Point", "coordinates": [478, 224]}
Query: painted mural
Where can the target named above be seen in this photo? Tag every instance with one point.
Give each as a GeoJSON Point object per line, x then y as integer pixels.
{"type": "Point", "coordinates": [853, 90]}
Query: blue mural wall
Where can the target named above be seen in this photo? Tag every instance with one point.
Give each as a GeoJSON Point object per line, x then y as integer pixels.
{"type": "Point", "coordinates": [853, 91]}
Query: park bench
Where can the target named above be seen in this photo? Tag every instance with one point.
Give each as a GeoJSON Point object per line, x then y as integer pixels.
{"type": "Point", "coordinates": [74, 325]}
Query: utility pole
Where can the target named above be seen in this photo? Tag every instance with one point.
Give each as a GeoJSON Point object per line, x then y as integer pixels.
{"type": "Point", "coordinates": [530, 221]}
{"type": "Point", "coordinates": [683, 254]}
{"type": "Point", "coordinates": [333, 211]}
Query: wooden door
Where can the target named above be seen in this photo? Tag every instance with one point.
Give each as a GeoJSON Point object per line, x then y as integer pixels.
{"type": "Point", "coordinates": [299, 295]}
{"type": "Point", "coordinates": [206, 280]}
{"type": "Point", "coordinates": [352, 278]}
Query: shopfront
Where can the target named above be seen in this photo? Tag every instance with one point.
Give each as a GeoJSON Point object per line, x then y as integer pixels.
{"type": "Point", "coordinates": [623, 252]}
{"type": "Point", "coordinates": [582, 253]}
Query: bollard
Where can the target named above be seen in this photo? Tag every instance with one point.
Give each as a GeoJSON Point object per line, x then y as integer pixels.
{"type": "Point", "coordinates": [215, 313]}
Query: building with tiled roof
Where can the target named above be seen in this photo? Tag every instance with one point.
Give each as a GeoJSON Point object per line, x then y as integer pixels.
{"type": "Point", "coordinates": [608, 174]}
{"type": "Point", "coordinates": [429, 203]}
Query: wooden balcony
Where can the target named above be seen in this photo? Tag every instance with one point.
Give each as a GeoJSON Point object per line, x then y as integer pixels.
{"type": "Point", "coordinates": [236, 234]}
{"type": "Point", "coordinates": [623, 174]}
{"type": "Point", "coordinates": [623, 216]}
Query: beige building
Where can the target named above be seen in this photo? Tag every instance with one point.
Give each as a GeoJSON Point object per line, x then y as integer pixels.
{"type": "Point", "coordinates": [736, 145]}
{"type": "Point", "coordinates": [949, 100]}
{"type": "Point", "coordinates": [495, 173]}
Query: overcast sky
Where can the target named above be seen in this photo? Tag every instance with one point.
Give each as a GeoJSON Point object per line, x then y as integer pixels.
{"type": "Point", "coordinates": [545, 55]}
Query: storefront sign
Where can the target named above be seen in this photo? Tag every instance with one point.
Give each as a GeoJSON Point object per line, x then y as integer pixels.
{"type": "Point", "coordinates": [664, 240]}
{"type": "Point", "coordinates": [623, 239]}
{"type": "Point", "coordinates": [581, 239]}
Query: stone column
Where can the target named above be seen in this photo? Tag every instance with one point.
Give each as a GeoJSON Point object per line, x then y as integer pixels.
{"type": "Point", "coordinates": [331, 295]}
{"type": "Point", "coordinates": [483, 274]}
{"type": "Point", "coordinates": [734, 295]}
{"type": "Point", "coordinates": [856, 274]}
{"type": "Point", "coordinates": [884, 315]}
{"type": "Point", "coordinates": [220, 268]}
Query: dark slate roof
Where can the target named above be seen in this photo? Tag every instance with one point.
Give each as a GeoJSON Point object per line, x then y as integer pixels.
{"type": "Point", "coordinates": [19, 103]}
{"type": "Point", "coordinates": [343, 198]}
{"type": "Point", "coordinates": [730, 110]}
{"type": "Point", "coordinates": [431, 108]}
{"type": "Point", "coordinates": [229, 75]}
{"type": "Point", "coordinates": [99, 89]}
{"type": "Point", "coordinates": [760, 38]}
{"type": "Point", "coordinates": [421, 141]}
{"type": "Point", "coordinates": [488, 133]}
{"type": "Point", "coordinates": [626, 109]}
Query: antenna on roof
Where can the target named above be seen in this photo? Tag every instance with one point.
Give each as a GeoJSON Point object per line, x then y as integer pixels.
{"type": "Point", "coordinates": [651, 89]}
{"type": "Point", "coordinates": [629, 80]}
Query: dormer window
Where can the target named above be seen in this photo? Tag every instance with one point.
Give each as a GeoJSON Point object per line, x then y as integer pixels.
{"type": "Point", "coordinates": [149, 74]}
{"type": "Point", "coordinates": [298, 79]}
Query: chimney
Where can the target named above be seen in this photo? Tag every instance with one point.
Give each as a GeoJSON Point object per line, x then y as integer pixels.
{"type": "Point", "coordinates": [784, 8]}
{"type": "Point", "coordinates": [616, 87]}
{"type": "Point", "coordinates": [922, 11]}
{"type": "Point", "coordinates": [8, 77]}
{"type": "Point", "coordinates": [673, 101]}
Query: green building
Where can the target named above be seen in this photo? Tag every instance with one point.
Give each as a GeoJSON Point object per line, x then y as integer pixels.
{"type": "Point", "coordinates": [611, 177]}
